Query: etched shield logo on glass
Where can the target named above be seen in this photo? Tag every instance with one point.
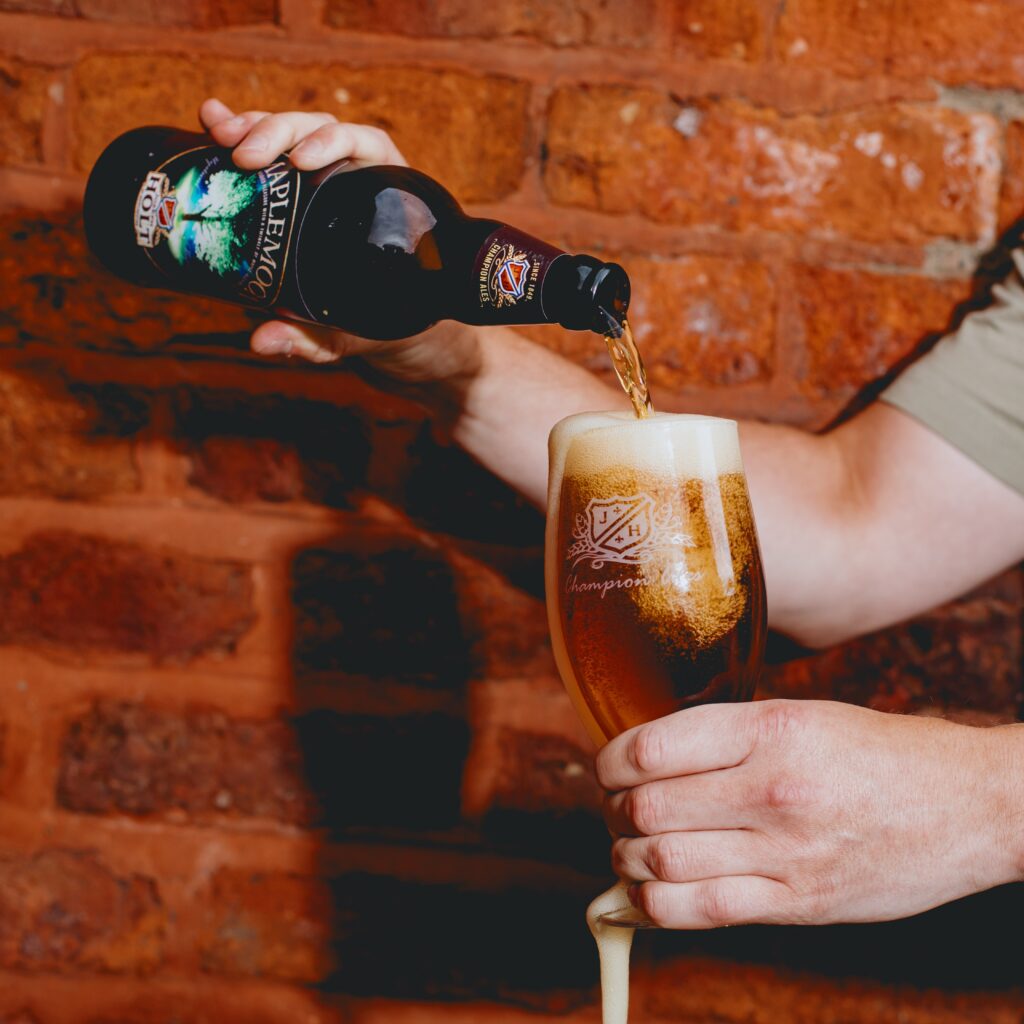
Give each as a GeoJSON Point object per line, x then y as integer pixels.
{"type": "Point", "coordinates": [627, 529]}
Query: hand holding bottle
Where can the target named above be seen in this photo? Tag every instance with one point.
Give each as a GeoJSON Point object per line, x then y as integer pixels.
{"type": "Point", "coordinates": [314, 140]}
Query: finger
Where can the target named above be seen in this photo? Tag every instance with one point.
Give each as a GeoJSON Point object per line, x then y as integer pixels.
{"type": "Point", "coordinates": [335, 141]}
{"type": "Point", "coordinates": [695, 740]}
{"type": "Point", "coordinates": [212, 112]}
{"type": "Point", "coordinates": [227, 133]}
{"type": "Point", "coordinates": [275, 134]}
{"type": "Point", "coordinates": [689, 856]}
{"type": "Point", "coordinates": [717, 902]}
{"type": "Point", "coordinates": [691, 803]}
{"type": "Point", "coordinates": [316, 344]}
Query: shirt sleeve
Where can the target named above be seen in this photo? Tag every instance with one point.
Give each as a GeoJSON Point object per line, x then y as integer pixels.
{"type": "Point", "coordinates": [969, 388]}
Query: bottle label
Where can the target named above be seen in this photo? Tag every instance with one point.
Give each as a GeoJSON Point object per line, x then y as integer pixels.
{"type": "Point", "coordinates": [510, 270]}
{"type": "Point", "coordinates": [214, 228]}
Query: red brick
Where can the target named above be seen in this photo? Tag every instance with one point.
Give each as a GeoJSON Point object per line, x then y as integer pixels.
{"type": "Point", "coordinates": [23, 99]}
{"type": "Point", "coordinates": [529, 751]}
{"type": "Point", "coordinates": [204, 14]}
{"type": "Point", "coordinates": [893, 174]}
{"type": "Point", "coordinates": [432, 114]}
{"type": "Point", "coordinates": [132, 759]}
{"type": "Point", "coordinates": [268, 925]}
{"type": "Point", "coordinates": [480, 508]}
{"type": "Point", "coordinates": [618, 23]}
{"type": "Point", "coordinates": [267, 448]}
{"type": "Point", "coordinates": [977, 42]}
{"type": "Point", "coordinates": [159, 999]}
{"type": "Point", "coordinates": [63, 909]}
{"type": "Point", "coordinates": [733, 30]}
{"type": "Point", "coordinates": [371, 935]}
{"type": "Point", "coordinates": [963, 657]}
{"type": "Point", "coordinates": [204, 766]}
{"type": "Point", "coordinates": [63, 439]}
{"type": "Point", "coordinates": [691, 988]}
{"type": "Point", "coordinates": [857, 326]}
{"type": "Point", "coordinates": [57, 293]}
{"type": "Point", "coordinates": [62, 7]}
{"type": "Point", "coordinates": [84, 593]}
{"type": "Point", "coordinates": [380, 608]}
{"type": "Point", "coordinates": [699, 321]}
{"type": "Point", "coordinates": [1011, 198]}
{"type": "Point", "coordinates": [504, 615]}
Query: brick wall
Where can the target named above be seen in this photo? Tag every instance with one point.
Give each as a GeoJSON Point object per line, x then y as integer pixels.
{"type": "Point", "coordinates": [279, 728]}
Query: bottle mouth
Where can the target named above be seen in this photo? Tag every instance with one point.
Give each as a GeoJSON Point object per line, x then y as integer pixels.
{"type": "Point", "coordinates": [610, 292]}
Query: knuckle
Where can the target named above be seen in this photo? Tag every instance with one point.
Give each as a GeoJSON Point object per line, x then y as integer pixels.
{"type": "Point", "coordinates": [621, 861]}
{"type": "Point", "coordinates": [777, 720]}
{"type": "Point", "coordinates": [602, 769]}
{"type": "Point", "coordinates": [671, 860]}
{"type": "Point", "coordinates": [786, 792]}
{"type": "Point", "coordinates": [644, 809]}
{"type": "Point", "coordinates": [648, 749]}
{"type": "Point", "coordinates": [653, 901]}
{"type": "Point", "coordinates": [717, 904]}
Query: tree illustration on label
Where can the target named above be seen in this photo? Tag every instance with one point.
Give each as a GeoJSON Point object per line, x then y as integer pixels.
{"type": "Point", "coordinates": [209, 228]}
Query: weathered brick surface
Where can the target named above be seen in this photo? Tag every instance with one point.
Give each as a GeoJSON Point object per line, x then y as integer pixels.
{"type": "Point", "coordinates": [480, 508]}
{"type": "Point", "coordinates": [963, 657]}
{"type": "Point", "coordinates": [246, 448]}
{"type": "Point", "coordinates": [790, 229]}
{"type": "Point", "coordinates": [699, 321]}
{"type": "Point", "coordinates": [132, 759]}
{"type": "Point", "coordinates": [63, 438]}
{"type": "Point", "coordinates": [1011, 198]}
{"type": "Point", "coordinates": [881, 174]}
{"type": "Point", "coordinates": [190, 13]}
{"type": "Point", "coordinates": [90, 594]}
{"type": "Point", "coordinates": [856, 326]}
{"type": "Point", "coordinates": [432, 115]}
{"type": "Point", "coordinates": [366, 934]}
{"type": "Point", "coordinates": [63, 909]}
{"type": "Point", "coordinates": [703, 321]}
{"type": "Point", "coordinates": [977, 43]}
{"type": "Point", "coordinates": [504, 614]}
{"type": "Point", "coordinates": [64, 7]}
{"type": "Point", "coordinates": [378, 608]}
{"type": "Point", "coordinates": [690, 988]}
{"type": "Point", "coordinates": [185, 13]}
{"type": "Point", "coordinates": [203, 766]}
{"type": "Point", "coordinates": [57, 293]}
{"type": "Point", "coordinates": [22, 104]}
{"type": "Point", "coordinates": [529, 751]}
{"type": "Point", "coordinates": [733, 30]}
{"type": "Point", "coordinates": [617, 23]}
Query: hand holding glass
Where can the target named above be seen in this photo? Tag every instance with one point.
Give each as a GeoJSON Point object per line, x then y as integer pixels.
{"type": "Point", "coordinates": [654, 586]}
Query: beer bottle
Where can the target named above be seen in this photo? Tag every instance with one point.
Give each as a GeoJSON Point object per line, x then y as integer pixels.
{"type": "Point", "coordinates": [378, 251]}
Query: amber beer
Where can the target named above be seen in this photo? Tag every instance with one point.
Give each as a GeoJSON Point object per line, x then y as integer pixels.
{"type": "Point", "coordinates": [655, 589]}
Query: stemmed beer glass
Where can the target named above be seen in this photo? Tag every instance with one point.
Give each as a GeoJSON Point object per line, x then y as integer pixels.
{"type": "Point", "coordinates": [655, 592]}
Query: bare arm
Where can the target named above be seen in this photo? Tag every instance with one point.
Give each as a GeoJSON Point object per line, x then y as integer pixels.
{"type": "Point", "coordinates": [859, 528]}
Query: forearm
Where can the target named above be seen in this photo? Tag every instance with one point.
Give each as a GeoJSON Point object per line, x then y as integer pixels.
{"type": "Point", "coordinates": [518, 394]}
{"type": "Point", "coordinates": [520, 390]}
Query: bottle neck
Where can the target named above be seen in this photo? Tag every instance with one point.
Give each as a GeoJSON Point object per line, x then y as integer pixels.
{"type": "Point", "coordinates": [583, 293]}
{"type": "Point", "coordinates": [519, 279]}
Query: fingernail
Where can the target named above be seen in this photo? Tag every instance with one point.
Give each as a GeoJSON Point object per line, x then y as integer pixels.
{"type": "Point", "coordinates": [235, 122]}
{"type": "Point", "coordinates": [309, 149]}
{"type": "Point", "coordinates": [254, 144]}
{"type": "Point", "coordinates": [275, 345]}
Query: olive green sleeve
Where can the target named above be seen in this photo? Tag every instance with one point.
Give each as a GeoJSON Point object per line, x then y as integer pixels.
{"type": "Point", "coordinates": [969, 388]}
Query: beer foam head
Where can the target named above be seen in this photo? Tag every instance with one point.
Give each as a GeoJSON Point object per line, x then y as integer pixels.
{"type": "Point", "coordinates": [694, 447]}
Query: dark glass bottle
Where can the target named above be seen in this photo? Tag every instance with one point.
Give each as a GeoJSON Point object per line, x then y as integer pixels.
{"type": "Point", "coordinates": [382, 252]}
